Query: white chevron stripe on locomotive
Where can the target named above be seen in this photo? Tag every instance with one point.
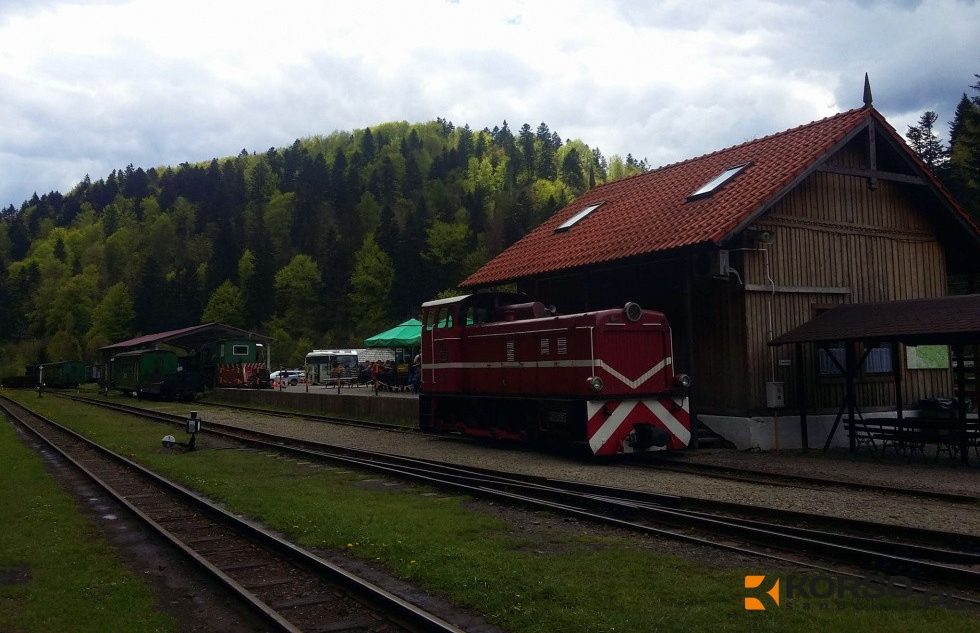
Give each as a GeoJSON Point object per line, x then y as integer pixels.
{"type": "Point", "coordinates": [674, 426]}
{"type": "Point", "coordinates": [633, 384]}
{"type": "Point", "coordinates": [667, 418]}
{"type": "Point", "coordinates": [602, 435]}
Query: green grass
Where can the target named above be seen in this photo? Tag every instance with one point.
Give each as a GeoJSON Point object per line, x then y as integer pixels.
{"type": "Point", "coordinates": [61, 574]}
{"type": "Point", "coordinates": [569, 582]}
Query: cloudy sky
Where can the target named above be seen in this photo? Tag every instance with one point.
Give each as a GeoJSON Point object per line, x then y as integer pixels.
{"type": "Point", "coordinates": [87, 87]}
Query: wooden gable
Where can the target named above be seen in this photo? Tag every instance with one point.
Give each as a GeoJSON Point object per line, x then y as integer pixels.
{"type": "Point", "coordinates": [858, 218]}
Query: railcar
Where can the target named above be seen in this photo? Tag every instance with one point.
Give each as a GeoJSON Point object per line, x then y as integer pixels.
{"type": "Point", "coordinates": [232, 363]}
{"type": "Point", "coordinates": [66, 373]}
{"type": "Point", "coordinates": [150, 374]}
{"type": "Point", "coordinates": [354, 364]}
{"type": "Point", "coordinates": [499, 366]}
{"type": "Point", "coordinates": [322, 364]}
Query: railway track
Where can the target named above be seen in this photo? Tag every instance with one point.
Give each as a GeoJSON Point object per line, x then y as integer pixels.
{"type": "Point", "coordinates": [292, 589]}
{"type": "Point", "coordinates": [941, 557]}
{"type": "Point", "coordinates": [799, 481]}
{"type": "Point", "coordinates": [658, 461]}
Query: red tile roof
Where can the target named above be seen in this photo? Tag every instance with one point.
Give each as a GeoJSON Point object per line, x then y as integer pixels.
{"type": "Point", "coordinates": [650, 212]}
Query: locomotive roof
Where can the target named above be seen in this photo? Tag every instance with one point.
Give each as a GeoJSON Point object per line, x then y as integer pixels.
{"type": "Point", "coordinates": [700, 203]}
{"type": "Point", "coordinates": [445, 301]}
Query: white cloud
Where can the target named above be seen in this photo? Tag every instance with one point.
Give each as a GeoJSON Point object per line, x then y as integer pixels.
{"type": "Point", "coordinates": [93, 86]}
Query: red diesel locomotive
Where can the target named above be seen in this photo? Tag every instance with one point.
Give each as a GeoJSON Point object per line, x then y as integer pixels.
{"type": "Point", "coordinates": [496, 365]}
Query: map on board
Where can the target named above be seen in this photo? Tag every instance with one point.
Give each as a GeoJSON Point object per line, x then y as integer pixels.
{"type": "Point", "coordinates": [927, 357]}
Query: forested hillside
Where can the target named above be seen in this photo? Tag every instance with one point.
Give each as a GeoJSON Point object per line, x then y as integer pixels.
{"type": "Point", "coordinates": [319, 244]}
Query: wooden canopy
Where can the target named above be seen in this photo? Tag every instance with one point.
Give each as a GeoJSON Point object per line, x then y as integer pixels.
{"type": "Point", "coordinates": [934, 321]}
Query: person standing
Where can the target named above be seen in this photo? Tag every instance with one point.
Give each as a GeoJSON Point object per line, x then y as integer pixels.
{"type": "Point", "coordinates": [416, 377]}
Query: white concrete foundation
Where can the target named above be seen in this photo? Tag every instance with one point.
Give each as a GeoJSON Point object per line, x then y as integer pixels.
{"type": "Point", "coordinates": [760, 433]}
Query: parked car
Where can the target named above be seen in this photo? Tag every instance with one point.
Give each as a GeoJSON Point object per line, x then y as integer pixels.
{"type": "Point", "coordinates": [289, 376]}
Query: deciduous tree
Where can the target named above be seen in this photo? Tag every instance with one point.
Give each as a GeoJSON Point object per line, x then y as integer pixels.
{"type": "Point", "coordinates": [371, 282]}
{"type": "Point", "coordinates": [226, 305]}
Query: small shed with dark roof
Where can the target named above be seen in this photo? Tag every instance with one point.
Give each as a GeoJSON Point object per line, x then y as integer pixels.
{"type": "Point", "coordinates": [743, 244]}
{"type": "Point", "coordinates": [940, 321]}
{"type": "Point", "coordinates": [189, 338]}
{"type": "Point", "coordinates": [197, 343]}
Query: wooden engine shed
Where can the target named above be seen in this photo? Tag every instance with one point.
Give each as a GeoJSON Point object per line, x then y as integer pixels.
{"type": "Point", "coordinates": [741, 245]}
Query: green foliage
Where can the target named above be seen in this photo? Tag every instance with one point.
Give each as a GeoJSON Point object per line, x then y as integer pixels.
{"type": "Point", "coordinates": [371, 284]}
{"type": "Point", "coordinates": [226, 305]}
{"type": "Point", "coordinates": [297, 287]}
{"type": "Point", "coordinates": [922, 139]}
{"type": "Point", "coordinates": [112, 319]}
{"type": "Point", "coordinates": [964, 153]}
{"type": "Point", "coordinates": [287, 230]}
{"type": "Point", "coordinates": [957, 166]}
{"type": "Point", "coordinates": [246, 269]}
{"type": "Point", "coordinates": [64, 344]}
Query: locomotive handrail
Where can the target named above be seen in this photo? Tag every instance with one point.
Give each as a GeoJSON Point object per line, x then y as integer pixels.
{"type": "Point", "coordinates": [591, 330]}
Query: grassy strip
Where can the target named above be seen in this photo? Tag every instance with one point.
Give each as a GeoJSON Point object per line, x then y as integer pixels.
{"type": "Point", "coordinates": [550, 581]}
{"type": "Point", "coordinates": [57, 572]}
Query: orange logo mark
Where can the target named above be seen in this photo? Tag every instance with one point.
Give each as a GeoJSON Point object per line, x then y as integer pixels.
{"type": "Point", "coordinates": [754, 604]}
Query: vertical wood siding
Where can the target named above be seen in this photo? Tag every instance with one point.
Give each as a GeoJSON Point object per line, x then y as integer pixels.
{"type": "Point", "coordinates": [833, 232]}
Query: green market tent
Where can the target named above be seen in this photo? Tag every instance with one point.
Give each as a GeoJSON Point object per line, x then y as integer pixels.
{"type": "Point", "coordinates": [407, 334]}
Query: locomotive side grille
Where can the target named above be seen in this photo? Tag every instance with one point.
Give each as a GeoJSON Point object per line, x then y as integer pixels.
{"type": "Point", "coordinates": [562, 346]}
{"type": "Point", "coordinates": [510, 351]}
{"type": "Point", "coordinates": [545, 347]}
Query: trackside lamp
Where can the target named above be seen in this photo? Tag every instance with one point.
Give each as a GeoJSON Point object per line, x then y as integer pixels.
{"type": "Point", "coordinates": [192, 424]}
{"type": "Point", "coordinates": [193, 428]}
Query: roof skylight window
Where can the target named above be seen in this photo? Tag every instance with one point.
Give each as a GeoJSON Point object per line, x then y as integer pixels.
{"type": "Point", "coordinates": [572, 221]}
{"type": "Point", "coordinates": [717, 182]}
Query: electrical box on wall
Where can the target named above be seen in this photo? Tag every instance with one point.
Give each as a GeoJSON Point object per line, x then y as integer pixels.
{"type": "Point", "coordinates": [712, 264]}
{"type": "Point", "coordinates": [719, 264]}
{"type": "Point", "coordinates": [774, 395]}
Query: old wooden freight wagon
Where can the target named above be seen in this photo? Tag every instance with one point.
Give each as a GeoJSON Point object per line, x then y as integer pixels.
{"type": "Point", "coordinates": [746, 243]}
{"type": "Point", "coordinates": [151, 374]}
{"type": "Point", "coordinates": [66, 373]}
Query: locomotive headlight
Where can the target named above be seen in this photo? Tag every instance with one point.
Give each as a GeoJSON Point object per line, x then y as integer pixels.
{"type": "Point", "coordinates": [633, 311]}
{"type": "Point", "coordinates": [596, 383]}
{"type": "Point", "coordinates": [682, 380]}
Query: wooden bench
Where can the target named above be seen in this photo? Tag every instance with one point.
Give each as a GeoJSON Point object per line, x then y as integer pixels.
{"type": "Point", "coordinates": [913, 434]}
{"type": "Point", "coordinates": [392, 381]}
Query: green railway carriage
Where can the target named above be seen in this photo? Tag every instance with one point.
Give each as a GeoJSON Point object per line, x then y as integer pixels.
{"type": "Point", "coordinates": [66, 373]}
{"type": "Point", "coordinates": [151, 373]}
